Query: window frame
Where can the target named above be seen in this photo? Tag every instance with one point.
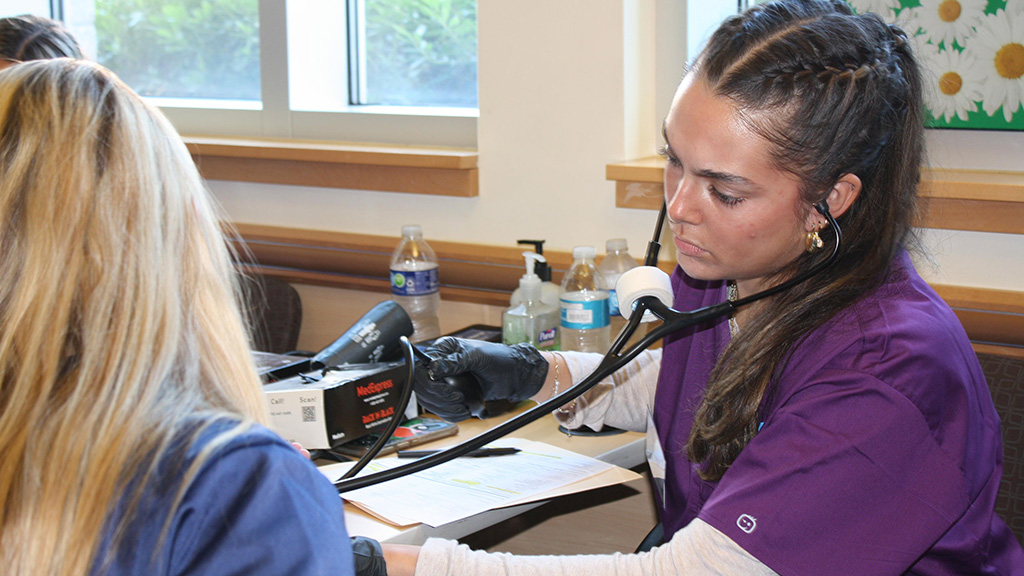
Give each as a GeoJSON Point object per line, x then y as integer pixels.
{"type": "Point", "coordinates": [274, 118]}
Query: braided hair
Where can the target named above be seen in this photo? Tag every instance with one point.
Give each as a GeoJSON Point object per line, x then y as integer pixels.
{"type": "Point", "coordinates": [833, 93]}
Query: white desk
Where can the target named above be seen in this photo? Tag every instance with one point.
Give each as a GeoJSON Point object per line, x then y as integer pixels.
{"type": "Point", "coordinates": [625, 450]}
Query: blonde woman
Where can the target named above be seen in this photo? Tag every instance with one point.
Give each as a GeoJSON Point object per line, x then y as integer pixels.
{"type": "Point", "coordinates": [131, 417]}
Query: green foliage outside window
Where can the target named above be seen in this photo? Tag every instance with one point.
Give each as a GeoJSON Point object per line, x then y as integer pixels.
{"type": "Point", "coordinates": [187, 49]}
{"type": "Point", "coordinates": [418, 52]}
{"type": "Point", "coordinates": [421, 52]}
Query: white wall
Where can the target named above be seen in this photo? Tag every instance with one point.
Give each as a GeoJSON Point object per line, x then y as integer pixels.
{"type": "Point", "coordinates": [974, 258]}
{"type": "Point", "coordinates": [552, 114]}
{"type": "Point", "coordinates": [567, 86]}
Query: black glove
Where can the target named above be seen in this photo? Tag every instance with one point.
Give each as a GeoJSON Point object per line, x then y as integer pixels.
{"type": "Point", "coordinates": [508, 373]}
{"type": "Point", "coordinates": [369, 557]}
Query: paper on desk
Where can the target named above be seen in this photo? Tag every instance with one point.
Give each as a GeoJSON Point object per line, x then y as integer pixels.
{"type": "Point", "coordinates": [467, 486]}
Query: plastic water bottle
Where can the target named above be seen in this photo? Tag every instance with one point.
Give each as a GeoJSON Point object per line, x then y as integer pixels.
{"type": "Point", "coordinates": [616, 261]}
{"type": "Point", "coordinates": [414, 283]}
{"type": "Point", "coordinates": [584, 305]}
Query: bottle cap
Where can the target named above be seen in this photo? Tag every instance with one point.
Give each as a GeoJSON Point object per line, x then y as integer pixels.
{"type": "Point", "coordinates": [412, 230]}
{"type": "Point", "coordinates": [616, 245]}
{"type": "Point", "coordinates": [583, 252]}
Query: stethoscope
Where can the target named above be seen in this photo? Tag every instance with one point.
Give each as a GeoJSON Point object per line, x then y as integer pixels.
{"type": "Point", "coordinates": [647, 291]}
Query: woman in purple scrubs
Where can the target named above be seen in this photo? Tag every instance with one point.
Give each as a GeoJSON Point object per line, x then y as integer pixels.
{"type": "Point", "coordinates": [840, 427]}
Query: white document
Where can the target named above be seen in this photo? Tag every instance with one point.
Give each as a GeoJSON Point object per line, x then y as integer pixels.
{"type": "Point", "coordinates": [466, 486]}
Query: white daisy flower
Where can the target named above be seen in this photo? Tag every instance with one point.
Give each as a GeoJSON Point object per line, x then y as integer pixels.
{"type": "Point", "coordinates": [884, 8]}
{"type": "Point", "coordinates": [999, 48]}
{"type": "Point", "coordinates": [946, 21]}
{"type": "Point", "coordinates": [952, 87]}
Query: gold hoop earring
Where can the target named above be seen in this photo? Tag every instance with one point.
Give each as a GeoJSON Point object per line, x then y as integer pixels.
{"type": "Point", "coordinates": [814, 241]}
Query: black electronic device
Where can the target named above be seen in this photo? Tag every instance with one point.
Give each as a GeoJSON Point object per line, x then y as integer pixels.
{"type": "Point", "coordinates": [373, 338]}
{"type": "Point", "coordinates": [412, 432]}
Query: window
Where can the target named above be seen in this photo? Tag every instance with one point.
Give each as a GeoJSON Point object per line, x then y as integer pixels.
{"type": "Point", "coordinates": [15, 7]}
{"type": "Point", "coordinates": [191, 50]}
{"type": "Point", "coordinates": [404, 53]}
{"type": "Point", "coordinates": [703, 18]}
{"type": "Point", "coordinates": [413, 52]}
{"type": "Point", "coordinates": [388, 71]}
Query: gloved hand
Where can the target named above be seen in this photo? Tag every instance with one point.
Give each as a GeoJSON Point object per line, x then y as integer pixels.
{"type": "Point", "coordinates": [368, 556]}
{"type": "Point", "coordinates": [510, 373]}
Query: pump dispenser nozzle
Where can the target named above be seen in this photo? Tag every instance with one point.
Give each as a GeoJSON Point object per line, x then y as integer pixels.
{"type": "Point", "coordinates": [549, 291]}
{"type": "Point", "coordinates": [529, 284]}
{"type": "Point", "coordinates": [542, 269]}
{"type": "Point", "coordinates": [532, 260]}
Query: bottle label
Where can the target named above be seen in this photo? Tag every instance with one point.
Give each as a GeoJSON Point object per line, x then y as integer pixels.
{"type": "Point", "coordinates": [547, 338]}
{"type": "Point", "coordinates": [613, 304]}
{"type": "Point", "coordinates": [414, 282]}
{"type": "Point", "coordinates": [585, 315]}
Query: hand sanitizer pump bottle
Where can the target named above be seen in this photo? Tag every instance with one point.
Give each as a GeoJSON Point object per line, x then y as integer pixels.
{"type": "Point", "coordinates": [550, 293]}
{"type": "Point", "coordinates": [531, 320]}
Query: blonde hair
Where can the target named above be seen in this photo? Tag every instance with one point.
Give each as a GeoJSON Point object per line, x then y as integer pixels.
{"type": "Point", "coordinates": [119, 316]}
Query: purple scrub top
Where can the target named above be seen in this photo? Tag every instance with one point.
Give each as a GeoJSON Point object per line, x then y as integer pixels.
{"type": "Point", "coordinates": [879, 451]}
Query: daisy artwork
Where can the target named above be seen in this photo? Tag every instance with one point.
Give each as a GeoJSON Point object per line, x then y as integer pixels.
{"type": "Point", "coordinates": [972, 58]}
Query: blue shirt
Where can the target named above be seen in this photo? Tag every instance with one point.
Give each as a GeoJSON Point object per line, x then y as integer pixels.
{"type": "Point", "coordinates": [257, 506]}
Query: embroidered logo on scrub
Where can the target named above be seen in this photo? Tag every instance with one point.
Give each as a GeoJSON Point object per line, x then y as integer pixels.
{"type": "Point", "coordinates": [747, 523]}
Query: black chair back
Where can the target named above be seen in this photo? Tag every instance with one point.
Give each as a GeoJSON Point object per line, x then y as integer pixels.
{"type": "Point", "coordinates": [1005, 378]}
{"type": "Point", "coordinates": [275, 313]}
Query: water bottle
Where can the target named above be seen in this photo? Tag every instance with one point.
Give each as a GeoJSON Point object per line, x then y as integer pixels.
{"type": "Point", "coordinates": [616, 261]}
{"type": "Point", "coordinates": [584, 305]}
{"type": "Point", "coordinates": [414, 283]}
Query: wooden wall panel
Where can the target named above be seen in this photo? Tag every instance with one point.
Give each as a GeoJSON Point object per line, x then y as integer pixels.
{"type": "Point", "coordinates": [488, 274]}
{"type": "Point", "coordinates": [979, 201]}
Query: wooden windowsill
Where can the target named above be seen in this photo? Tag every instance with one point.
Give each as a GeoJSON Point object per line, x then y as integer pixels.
{"type": "Point", "coordinates": [982, 201]}
{"type": "Point", "coordinates": [436, 171]}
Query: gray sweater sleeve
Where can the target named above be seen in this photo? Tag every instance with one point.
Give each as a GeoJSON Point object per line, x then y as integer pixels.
{"type": "Point", "coordinates": [623, 400]}
{"type": "Point", "coordinates": [697, 549]}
